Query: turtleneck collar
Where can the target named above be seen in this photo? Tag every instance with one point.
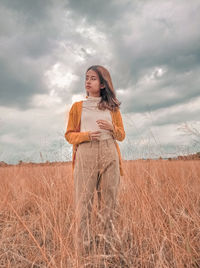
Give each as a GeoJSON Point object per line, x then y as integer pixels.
{"type": "Point", "coordinates": [93, 98]}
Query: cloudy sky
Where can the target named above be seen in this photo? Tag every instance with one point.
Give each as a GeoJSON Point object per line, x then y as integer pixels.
{"type": "Point", "coordinates": [151, 48]}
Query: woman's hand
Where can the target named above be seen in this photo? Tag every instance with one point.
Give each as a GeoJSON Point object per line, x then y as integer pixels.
{"type": "Point", "coordinates": [94, 135]}
{"type": "Point", "coordinates": [104, 124]}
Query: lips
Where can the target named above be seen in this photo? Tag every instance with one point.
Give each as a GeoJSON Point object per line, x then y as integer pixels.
{"type": "Point", "coordinates": [88, 86]}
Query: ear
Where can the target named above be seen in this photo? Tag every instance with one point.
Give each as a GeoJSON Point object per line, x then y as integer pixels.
{"type": "Point", "coordinates": [102, 86]}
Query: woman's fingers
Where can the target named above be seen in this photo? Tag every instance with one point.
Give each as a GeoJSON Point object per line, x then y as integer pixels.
{"type": "Point", "coordinates": [96, 132]}
{"type": "Point", "coordinates": [101, 121]}
{"type": "Point", "coordinates": [103, 124]}
{"type": "Point", "coordinates": [94, 135]}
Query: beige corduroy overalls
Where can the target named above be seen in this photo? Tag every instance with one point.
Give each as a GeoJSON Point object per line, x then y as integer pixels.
{"type": "Point", "coordinates": [96, 168]}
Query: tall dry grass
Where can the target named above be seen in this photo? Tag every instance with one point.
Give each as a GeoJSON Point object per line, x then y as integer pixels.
{"type": "Point", "coordinates": [158, 224]}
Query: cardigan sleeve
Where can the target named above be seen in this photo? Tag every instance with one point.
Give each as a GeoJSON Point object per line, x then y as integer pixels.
{"type": "Point", "coordinates": [118, 132]}
{"type": "Point", "coordinates": [72, 134]}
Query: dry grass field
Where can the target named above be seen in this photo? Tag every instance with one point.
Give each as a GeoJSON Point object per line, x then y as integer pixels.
{"type": "Point", "coordinates": [158, 223]}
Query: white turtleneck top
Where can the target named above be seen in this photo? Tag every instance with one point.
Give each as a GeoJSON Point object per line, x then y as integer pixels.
{"type": "Point", "coordinates": [91, 113]}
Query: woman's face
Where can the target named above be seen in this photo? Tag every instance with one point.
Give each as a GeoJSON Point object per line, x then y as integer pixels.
{"type": "Point", "coordinates": [92, 83]}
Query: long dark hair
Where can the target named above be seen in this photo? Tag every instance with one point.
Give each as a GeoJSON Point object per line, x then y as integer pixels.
{"type": "Point", "coordinates": [108, 96]}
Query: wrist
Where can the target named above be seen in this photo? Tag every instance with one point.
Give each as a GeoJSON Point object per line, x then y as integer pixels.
{"type": "Point", "coordinates": [112, 129]}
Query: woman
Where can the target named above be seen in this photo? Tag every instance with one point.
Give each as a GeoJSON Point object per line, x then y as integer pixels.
{"type": "Point", "coordinates": [93, 127]}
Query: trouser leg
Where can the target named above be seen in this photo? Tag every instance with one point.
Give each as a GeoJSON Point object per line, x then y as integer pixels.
{"type": "Point", "coordinates": [108, 185]}
{"type": "Point", "coordinates": [85, 174]}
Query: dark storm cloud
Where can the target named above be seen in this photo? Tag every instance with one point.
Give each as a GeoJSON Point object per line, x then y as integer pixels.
{"type": "Point", "coordinates": [142, 35]}
{"type": "Point", "coordinates": [171, 89]}
{"type": "Point", "coordinates": [30, 11]}
{"type": "Point", "coordinates": [174, 117]}
{"type": "Point", "coordinates": [18, 84]}
{"type": "Point", "coordinates": [149, 35]}
{"type": "Point", "coordinates": [172, 42]}
{"type": "Point", "coordinates": [100, 13]}
{"type": "Point", "coordinates": [29, 34]}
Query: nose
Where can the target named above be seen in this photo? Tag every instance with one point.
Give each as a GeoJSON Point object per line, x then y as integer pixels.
{"type": "Point", "coordinates": [87, 83]}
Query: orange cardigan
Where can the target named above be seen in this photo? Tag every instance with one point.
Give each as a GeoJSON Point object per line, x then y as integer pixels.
{"type": "Point", "coordinates": [74, 136]}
